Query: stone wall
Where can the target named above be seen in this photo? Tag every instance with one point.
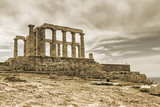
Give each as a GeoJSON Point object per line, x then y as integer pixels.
{"type": "Point", "coordinates": [46, 63]}
{"type": "Point", "coordinates": [115, 67]}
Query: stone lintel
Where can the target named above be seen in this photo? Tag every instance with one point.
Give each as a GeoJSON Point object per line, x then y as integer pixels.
{"type": "Point", "coordinates": [68, 43]}
{"type": "Point", "coordinates": [48, 40]}
{"type": "Point", "coordinates": [20, 37]}
{"type": "Point", "coordinates": [57, 27]}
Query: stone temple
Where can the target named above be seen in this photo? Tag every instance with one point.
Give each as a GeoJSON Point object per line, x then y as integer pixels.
{"type": "Point", "coordinates": [35, 58]}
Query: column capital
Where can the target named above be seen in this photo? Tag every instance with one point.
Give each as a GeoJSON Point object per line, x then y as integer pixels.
{"type": "Point", "coordinates": [73, 33]}
{"type": "Point", "coordinates": [40, 28]}
{"type": "Point", "coordinates": [82, 34]}
{"type": "Point", "coordinates": [53, 29]}
{"type": "Point", "coordinates": [15, 39]}
{"type": "Point", "coordinates": [63, 31]}
{"type": "Point", "coordinates": [31, 25]}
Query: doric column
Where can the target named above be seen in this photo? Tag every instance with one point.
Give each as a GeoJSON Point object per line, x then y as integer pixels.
{"type": "Point", "coordinates": [43, 46]}
{"type": "Point", "coordinates": [73, 45]}
{"type": "Point", "coordinates": [38, 42]}
{"type": "Point", "coordinates": [51, 49]}
{"type": "Point", "coordinates": [31, 29]}
{"type": "Point", "coordinates": [79, 51]}
{"type": "Point", "coordinates": [59, 50]}
{"type": "Point", "coordinates": [53, 43]}
{"type": "Point", "coordinates": [82, 45]}
{"type": "Point", "coordinates": [64, 44]}
{"type": "Point", "coordinates": [15, 47]}
{"type": "Point", "coordinates": [24, 47]}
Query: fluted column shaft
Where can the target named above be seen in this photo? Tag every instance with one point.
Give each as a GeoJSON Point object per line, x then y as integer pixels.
{"type": "Point", "coordinates": [51, 49]}
{"type": "Point", "coordinates": [79, 51]}
{"type": "Point", "coordinates": [73, 45]}
{"type": "Point", "coordinates": [24, 47]}
{"type": "Point", "coordinates": [59, 50]}
{"type": "Point", "coordinates": [43, 46]}
{"type": "Point", "coordinates": [82, 45]}
{"type": "Point", "coordinates": [38, 42]}
{"type": "Point", "coordinates": [53, 42]}
{"type": "Point", "coordinates": [64, 44]}
{"type": "Point", "coordinates": [15, 47]}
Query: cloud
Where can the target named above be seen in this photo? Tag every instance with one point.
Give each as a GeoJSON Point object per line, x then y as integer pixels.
{"type": "Point", "coordinates": [156, 48]}
{"type": "Point", "coordinates": [119, 53]}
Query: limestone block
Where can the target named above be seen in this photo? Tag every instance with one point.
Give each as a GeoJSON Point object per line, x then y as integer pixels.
{"type": "Point", "coordinates": [145, 88]}
{"type": "Point", "coordinates": [155, 89]}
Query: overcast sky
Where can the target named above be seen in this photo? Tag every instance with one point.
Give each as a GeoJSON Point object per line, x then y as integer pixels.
{"type": "Point", "coordinates": [116, 31]}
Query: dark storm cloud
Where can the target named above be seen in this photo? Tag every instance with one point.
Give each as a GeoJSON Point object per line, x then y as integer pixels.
{"type": "Point", "coordinates": [127, 48]}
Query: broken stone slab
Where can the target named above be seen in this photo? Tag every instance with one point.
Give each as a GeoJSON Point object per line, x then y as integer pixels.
{"type": "Point", "coordinates": [155, 89]}
{"type": "Point", "coordinates": [104, 83]}
{"type": "Point", "coordinates": [145, 88]}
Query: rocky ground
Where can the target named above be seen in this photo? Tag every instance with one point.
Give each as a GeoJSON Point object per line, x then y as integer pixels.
{"type": "Point", "coordinates": [37, 90]}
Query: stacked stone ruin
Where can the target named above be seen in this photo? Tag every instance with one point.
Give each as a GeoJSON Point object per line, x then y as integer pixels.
{"type": "Point", "coordinates": [36, 60]}
{"type": "Point", "coordinates": [34, 44]}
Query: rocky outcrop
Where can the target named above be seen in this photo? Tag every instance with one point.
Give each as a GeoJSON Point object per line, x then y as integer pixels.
{"type": "Point", "coordinates": [155, 89]}
{"type": "Point", "coordinates": [134, 77]}
{"type": "Point", "coordinates": [145, 88]}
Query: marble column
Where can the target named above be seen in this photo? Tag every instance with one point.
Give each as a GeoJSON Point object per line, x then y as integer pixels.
{"type": "Point", "coordinates": [38, 42]}
{"type": "Point", "coordinates": [43, 46]}
{"type": "Point", "coordinates": [73, 45]}
{"type": "Point", "coordinates": [59, 50]}
{"type": "Point", "coordinates": [15, 47]}
{"type": "Point", "coordinates": [24, 47]}
{"type": "Point", "coordinates": [53, 43]}
{"type": "Point", "coordinates": [79, 51]}
{"type": "Point", "coordinates": [51, 49]}
{"type": "Point", "coordinates": [64, 51]}
{"type": "Point", "coordinates": [82, 45]}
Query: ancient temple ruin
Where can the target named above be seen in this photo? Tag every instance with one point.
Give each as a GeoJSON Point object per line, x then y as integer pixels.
{"type": "Point", "coordinates": [35, 58]}
{"type": "Point", "coordinates": [34, 43]}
